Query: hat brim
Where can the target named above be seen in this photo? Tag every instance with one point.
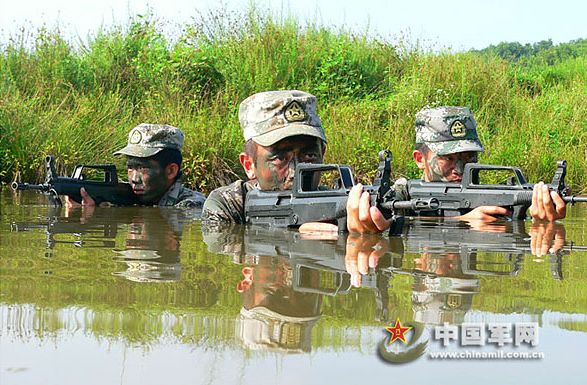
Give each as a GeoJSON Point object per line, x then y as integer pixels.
{"type": "Point", "coordinates": [274, 136]}
{"type": "Point", "coordinates": [455, 146]}
{"type": "Point", "coordinates": [138, 151]}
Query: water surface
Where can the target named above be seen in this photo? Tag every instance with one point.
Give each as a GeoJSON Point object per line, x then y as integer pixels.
{"type": "Point", "coordinates": [148, 296]}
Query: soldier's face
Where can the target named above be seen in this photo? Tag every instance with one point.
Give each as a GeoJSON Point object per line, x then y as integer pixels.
{"type": "Point", "coordinates": [446, 168]}
{"type": "Point", "coordinates": [441, 264]}
{"type": "Point", "coordinates": [274, 165]}
{"type": "Point", "coordinates": [147, 178]}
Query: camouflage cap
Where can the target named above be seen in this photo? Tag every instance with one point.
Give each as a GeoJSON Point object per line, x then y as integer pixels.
{"type": "Point", "coordinates": [263, 329]}
{"type": "Point", "coordinates": [268, 117]}
{"type": "Point", "coordinates": [447, 130]}
{"type": "Point", "coordinates": [436, 300]}
{"type": "Point", "coordinates": [146, 140]}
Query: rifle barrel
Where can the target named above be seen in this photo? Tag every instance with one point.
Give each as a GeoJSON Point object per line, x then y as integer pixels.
{"type": "Point", "coordinates": [575, 199]}
{"type": "Point", "coordinates": [28, 186]}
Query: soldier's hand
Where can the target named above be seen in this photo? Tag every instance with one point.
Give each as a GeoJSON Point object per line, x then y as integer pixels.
{"type": "Point", "coordinates": [317, 229]}
{"type": "Point", "coordinates": [363, 252]}
{"type": "Point", "coordinates": [87, 200]}
{"type": "Point", "coordinates": [361, 216]}
{"type": "Point", "coordinates": [88, 205]}
{"type": "Point", "coordinates": [485, 213]}
{"type": "Point", "coordinates": [546, 205]}
{"type": "Point", "coordinates": [546, 237]}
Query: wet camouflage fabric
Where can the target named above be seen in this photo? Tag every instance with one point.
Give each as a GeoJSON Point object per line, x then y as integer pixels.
{"type": "Point", "coordinates": [269, 117]}
{"type": "Point", "coordinates": [180, 196]}
{"type": "Point", "coordinates": [447, 130]}
{"type": "Point", "coordinates": [146, 140]}
{"type": "Point", "coordinates": [227, 204]}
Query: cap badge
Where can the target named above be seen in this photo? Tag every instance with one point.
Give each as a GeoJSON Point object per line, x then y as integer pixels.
{"type": "Point", "coordinates": [294, 112]}
{"type": "Point", "coordinates": [135, 137]}
{"type": "Point", "coordinates": [458, 129]}
{"type": "Point", "coordinates": [454, 301]}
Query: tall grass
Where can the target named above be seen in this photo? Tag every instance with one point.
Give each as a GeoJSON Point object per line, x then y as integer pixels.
{"type": "Point", "coordinates": [77, 101]}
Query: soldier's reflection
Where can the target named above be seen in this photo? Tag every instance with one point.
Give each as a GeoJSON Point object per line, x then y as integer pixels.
{"type": "Point", "coordinates": [151, 251]}
{"type": "Point", "coordinates": [151, 248]}
{"type": "Point", "coordinates": [280, 302]}
{"type": "Point", "coordinates": [441, 291]}
{"type": "Point", "coordinates": [446, 271]}
{"type": "Point", "coordinates": [274, 316]}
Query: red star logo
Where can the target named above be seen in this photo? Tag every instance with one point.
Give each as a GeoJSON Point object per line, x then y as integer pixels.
{"type": "Point", "coordinates": [398, 332]}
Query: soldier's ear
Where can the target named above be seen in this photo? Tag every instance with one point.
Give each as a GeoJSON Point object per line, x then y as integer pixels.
{"type": "Point", "coordinates": [419, 158]}
{"type": "Point", "coordinates": [248, 164]}
{"type": "Point", "coordinates": [171, 171]}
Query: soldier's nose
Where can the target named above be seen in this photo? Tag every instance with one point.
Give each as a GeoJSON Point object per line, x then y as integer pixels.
{"type": "Point", "coordinates": [135, 177]}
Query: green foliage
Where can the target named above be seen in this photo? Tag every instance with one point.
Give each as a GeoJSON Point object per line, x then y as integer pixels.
{"type": "Point", "coordinates": [541, 53]}
{"type": "Point", "coordinates": [78, 101]}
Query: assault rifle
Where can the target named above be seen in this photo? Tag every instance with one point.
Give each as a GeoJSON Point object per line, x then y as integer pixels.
{"type": "Point", "coordinates": [458, 198]}
{"type": "Point", "coordinates": [106, 190]}
{"type": "Point", "coordinates": [306, 203]}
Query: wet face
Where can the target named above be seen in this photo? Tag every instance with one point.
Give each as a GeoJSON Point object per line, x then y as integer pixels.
{"type": "Point", "coordinates": [148, 179]}
{"type": "Point", "coordinates": [445, 168]}
{"type": "Point", "coordinates": [274, 166]}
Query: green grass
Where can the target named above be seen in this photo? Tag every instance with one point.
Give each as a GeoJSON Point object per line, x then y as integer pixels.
{"type": "Point", "coordinates": [77, 101]}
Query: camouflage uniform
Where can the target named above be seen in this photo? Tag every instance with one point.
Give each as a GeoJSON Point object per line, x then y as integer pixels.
{"type": "Point", "coordinates": [180, 196]}
{"type": "Point", "coordinates": [145, 141]}
{"type": "Point", "coordinates": [266, 118]}
{"type": "Point", "coordinates": [444, 130]}
{"type": "Point", "coordinates": [227, 204]}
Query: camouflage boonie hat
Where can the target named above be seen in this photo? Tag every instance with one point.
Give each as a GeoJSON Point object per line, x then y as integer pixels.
{"type": "Point", "coordinates": [146, 140]}
{"type": "Point", "coordinates": [447, 130]}
{"type": "Point", "coordinates": [268, 117]}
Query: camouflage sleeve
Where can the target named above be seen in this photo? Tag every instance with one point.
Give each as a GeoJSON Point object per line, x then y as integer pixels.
{"type": "Point", "coordinates": [196, 200]}
{"type": "Point", "coordinates": [225, 205]}
{"type": "Point", "coordinates": [400, 187]}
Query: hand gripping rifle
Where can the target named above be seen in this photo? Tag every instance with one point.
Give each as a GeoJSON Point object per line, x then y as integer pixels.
{"type": "Point", "coordinates": [305, 203]}
{"type": "Point", "coordinates": [459, 198]}
{"type": "Point", "coordinates": [106, 190]}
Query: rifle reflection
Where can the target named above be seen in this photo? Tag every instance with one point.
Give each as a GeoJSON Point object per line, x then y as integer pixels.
{"type": "Point", "coordinates": [98, 234]}
{"type": "Point", "coordinates": [150, 237]}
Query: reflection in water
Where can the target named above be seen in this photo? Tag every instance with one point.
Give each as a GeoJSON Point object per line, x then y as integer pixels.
{"type": "Point", "coordinates": [450, 260]}
{"type": "Point", "coordinates": [87, 269]}
{"type": "Point", "coordinates": [151, 247]}
{"type": "Point", "coordinates": [274, 316]}
{"type": "Point", "coordinates": [142, 274]}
